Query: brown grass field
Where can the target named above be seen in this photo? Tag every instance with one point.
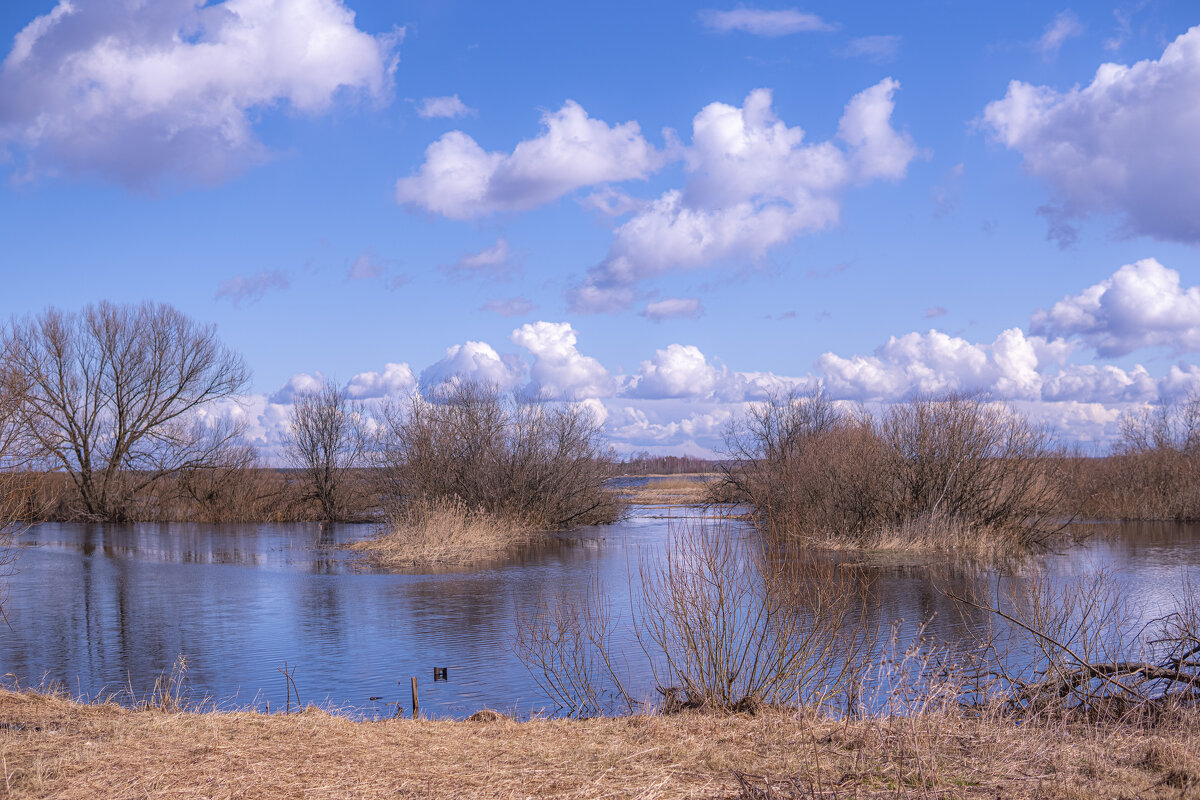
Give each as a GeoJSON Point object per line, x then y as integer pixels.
{"type": "Point", "coordinates": [51, 747]}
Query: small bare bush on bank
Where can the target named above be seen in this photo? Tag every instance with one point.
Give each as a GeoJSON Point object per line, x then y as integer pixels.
{"type": "Point", "coordinates": [542, 465]}
{"type": "Point", "coordinates": [733, 623]}
{"type": "Point", "coordinates": [726, 622]}
{"type": "Point", "coordinates": [567, 645]}
{"type": "Point", "coordinates": [936, 472]}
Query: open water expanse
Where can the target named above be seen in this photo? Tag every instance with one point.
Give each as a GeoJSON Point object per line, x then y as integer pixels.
{"type": "Point", "coordinates": [100, 609]}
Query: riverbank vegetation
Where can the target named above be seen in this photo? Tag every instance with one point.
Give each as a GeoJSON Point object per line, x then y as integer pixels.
{"type": "Point", "coordinates": [122, 413]}
{"type": "Point", "coordinates": [951, 473]}
{"type": "Point", "coordinates": [475, 471]}
{"type": "Point", "coordinates": [53, 747]}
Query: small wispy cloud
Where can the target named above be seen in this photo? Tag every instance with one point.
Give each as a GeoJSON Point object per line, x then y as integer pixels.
{"type": "Point", "coordinates": [364, 267]}
{"type": "Point", "coordinates": [841, 266]}
{"type": "Point", "coordinates": [935, 311]}
{"type": "Point", "coordinates": [509, 307]}
{"type": "Point", "coordinates": [444, 107]}
{"type": "Point", "coordinates": [761, 22]}
{"type": "Point", "coordinates": [496, 262]}
{"type": "Point", "coordinates": [673, 308]}
{"type": "Point", "coordinates": [1124, 21]}
{"type": "Point", "coordinates": [1064, 26]}
{"type": "Point", "coordinates": [946, 193]}
{"type": "Point", "coordinates": [878, 49]}
{"type": "Point", "coordinates": [253, 287]}
{"type": "Point", "coordinates": [612, 202]}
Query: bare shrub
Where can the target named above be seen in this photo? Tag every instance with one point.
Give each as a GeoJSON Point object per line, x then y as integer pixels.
{"type": "Point", "coordinates": [439, 530]}
{"type": "Point", "coordinates": [566, 643]}
{"type": "Point", "coordinates": [1153, 471]}
{"type": "Point", "coordinates": [110, 394]}
{"type": "Point", "coordinates": [731, 623]}
{"type": "Point", "coordinates": [934, 472]}
{"type": "Point", "coordinates": [328, 439]}
{"type": "Point", "coordinates": [234, 487]}
{"type": "Point", "coordinates": [726, 622]}
{"type": "Point", "coordinates": [1078, 648]}
{"type": "Point", "coordinates": [541, 464]}
{"type": "Point", "coordinates": [14, 470]}
{"type": "Point", "coordinates": [980, 464]}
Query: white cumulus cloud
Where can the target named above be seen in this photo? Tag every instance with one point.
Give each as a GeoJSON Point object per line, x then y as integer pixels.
{"type": "Point", "coordinates": [297, 384]}
{"type": "Point", "coordinates": [395, 380]}
{"type": "Point", "coordinates": [935, 362]}
{"type": "Point", "coordinates": [753, 183]}
{"type": "Point", "coordinates": [559, 370]}
{"type": "Point", "coordinates": [1140, 305]}
{"type": "Point", "coordinates": [1123, 144]}
{"type": "Point", "coordinates": [136, 91]}
{"type": "Point", "coordinates": [678, 371]}
{"type": "Point", "coordinates": [461, 180]}
{"type": "Point", "coordinates": [471, 362]}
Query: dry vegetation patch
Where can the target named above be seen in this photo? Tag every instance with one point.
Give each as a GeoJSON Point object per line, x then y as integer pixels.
{"type": "Point", "coordinates": [442, 531]}
{"type": "Point", "coordinates": [52, 747]}
{"type": "Point", "coordinates": [682, 490]}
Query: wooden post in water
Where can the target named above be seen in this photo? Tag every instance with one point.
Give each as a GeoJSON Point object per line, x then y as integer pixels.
{"type": "Point", "coordinates": [415, 704]}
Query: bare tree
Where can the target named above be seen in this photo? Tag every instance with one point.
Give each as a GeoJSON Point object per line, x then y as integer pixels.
{"type": "Point", "coordinates": [113, 395]}
{"type": "Point", "coordinates": [14, 466]}
{"type": "Point", "coordinates": [328, 438]}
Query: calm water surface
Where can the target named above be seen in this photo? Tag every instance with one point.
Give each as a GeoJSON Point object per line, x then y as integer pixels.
{"type": "Point", "coordinates": [105, 608]}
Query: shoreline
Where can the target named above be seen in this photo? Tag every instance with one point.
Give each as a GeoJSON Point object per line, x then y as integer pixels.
{"type": "Point", "coordinates": [54, 747]}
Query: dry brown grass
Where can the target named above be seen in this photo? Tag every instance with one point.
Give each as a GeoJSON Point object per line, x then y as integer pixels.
{"type": "Point", "coordinates": [442, 531]}
{"type": "Point", "coordinates": [52, 747]}
{"type": "Point", "coordinates": [691, 490]}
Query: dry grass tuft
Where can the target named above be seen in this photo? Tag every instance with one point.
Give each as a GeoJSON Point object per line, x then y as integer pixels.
{"type": "Point", "coordinates": [53, 747]}
{"type": "Point", "coordinates": [689, 490]}
{"type": "Point", "coordinates": [442, 531]}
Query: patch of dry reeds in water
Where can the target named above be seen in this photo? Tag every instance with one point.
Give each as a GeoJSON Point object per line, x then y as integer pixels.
{"type": "Point", "coordinates": [441, 531]}
{"type": "Point", "coordinates": [688, 490]}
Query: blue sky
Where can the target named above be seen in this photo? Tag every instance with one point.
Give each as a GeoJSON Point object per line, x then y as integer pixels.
{"type": "Point", "coordinates": [664, 210]}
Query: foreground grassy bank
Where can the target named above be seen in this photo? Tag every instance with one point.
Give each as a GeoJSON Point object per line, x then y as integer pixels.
{"type": "Point", "coordinates": [53, 747]}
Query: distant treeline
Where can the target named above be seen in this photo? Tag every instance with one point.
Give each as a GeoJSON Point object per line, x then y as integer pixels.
{"type": "Point", "coordinates": [645, 464]}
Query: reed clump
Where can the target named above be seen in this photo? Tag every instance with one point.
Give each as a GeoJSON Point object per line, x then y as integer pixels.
{"type": "Point", "coordinates": [682, 490]}
{"type": "Point", "coordinates": [942, 473]}
{"type": "Point", "coordinates": [441, 531]}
